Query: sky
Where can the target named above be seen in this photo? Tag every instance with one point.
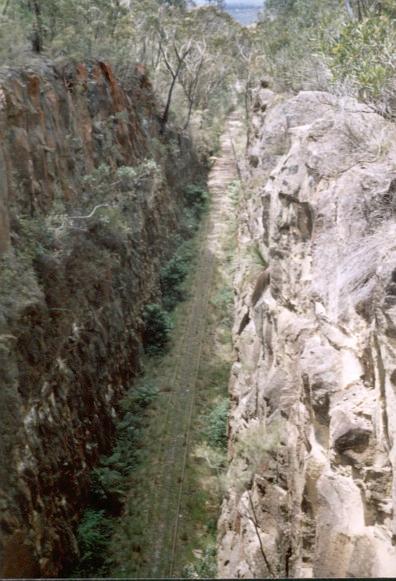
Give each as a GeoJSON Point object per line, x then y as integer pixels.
{"type": "Point", "coordinates": [245, 17]}
{"type": "Point", "coordinates": [258, 3]}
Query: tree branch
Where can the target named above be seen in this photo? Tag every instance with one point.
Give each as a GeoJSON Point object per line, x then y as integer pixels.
{"type": "Point", "coordinates": [349, 9]}
{"type": "Point", "coordinates": [5, 7]}
{"type": "Point", "coordinates": [91, 214]}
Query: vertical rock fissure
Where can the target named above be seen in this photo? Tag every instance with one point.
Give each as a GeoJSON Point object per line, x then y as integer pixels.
{"type": "Point", "coordinates": [382, 388]}
{"type": "Point", "coordinates": [256, 528]}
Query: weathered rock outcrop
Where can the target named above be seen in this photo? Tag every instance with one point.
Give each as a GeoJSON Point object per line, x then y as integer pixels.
{"type": "Point", "coordinates": [312, 486]}
{"type": "Point", "coordinates": [80, 257]}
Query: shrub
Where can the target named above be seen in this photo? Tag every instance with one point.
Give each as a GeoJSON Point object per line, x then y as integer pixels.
{"type": "Point", "coordinates": [93, 535]}
{"type": "Point", "coordinates": [224, 300]}
{"type": "Point", "coordinates": [287, 35]}
{"type": "Point", "coordinates": [363, 55]}
{"type": "Point", "coordinates": [255, 449]}
{"type": "Point", "coordinates": [111, 481]}
{"type": "Point", "coordinates": [173, 275]}
{"type": "Point", "coordinates": [205, 567]}
{"type": "Point", "coordinates": [107, 485]}
{"type": "Point", "coordinates": [157, 326]}
{"type": "Point", "coordinates": [196, 200]}
{"type": "Point", "coordinates": [216, 430]}
{"type": "Point", "coordinates": [140, 398]}
{"type": "Point", "coordinates": [257, 256]}
{"type": "Point", "coordinates": [195, 195]}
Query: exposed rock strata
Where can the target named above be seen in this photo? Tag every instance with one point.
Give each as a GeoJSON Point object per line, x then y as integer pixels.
{"type": "Point", "coordinates": [312, 479]}
{"type": "Point", "coordinates": [72, 289]}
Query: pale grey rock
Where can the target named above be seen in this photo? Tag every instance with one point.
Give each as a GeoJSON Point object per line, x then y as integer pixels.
{"type": "Point", "coordinates": [311, 487]}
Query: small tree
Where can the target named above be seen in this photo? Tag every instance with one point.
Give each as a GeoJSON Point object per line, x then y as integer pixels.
{"type": "Point", "coordinates": [157, 326]}
{"type": "Point", "coordinates": [37, 32]}
{"type": "Point", "coordinates": [93, 535]}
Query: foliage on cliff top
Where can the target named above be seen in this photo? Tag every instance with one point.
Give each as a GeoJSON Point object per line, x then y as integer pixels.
{"type": "Point", "coordinates": [346, 46]}
{"type": "Point", "coordinates": [190, 55]}
{"type": "Point", "coordinates": [196, 58]}
{"type": "Point", "coordinates": [363, 54]}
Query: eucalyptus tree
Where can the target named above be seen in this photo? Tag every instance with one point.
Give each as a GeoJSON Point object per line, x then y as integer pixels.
{"type": "Point", "coordinates": [73, 27]}
{"type": "Point", "coordinates": [190, 55]}
{"type": "Point", "coordinates": [361, 9]}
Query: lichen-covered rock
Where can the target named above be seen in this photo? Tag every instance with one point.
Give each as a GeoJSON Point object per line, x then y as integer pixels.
{"type": "Point", "coordinates": [311, 488]}
{"type": "Point", "coordinates": [80, 257]}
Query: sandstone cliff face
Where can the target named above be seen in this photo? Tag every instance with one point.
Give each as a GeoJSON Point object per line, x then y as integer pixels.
{"type": "Point", "coordinates": [311, 488]}
{"type": "Point", "coordinates": [73, 287]}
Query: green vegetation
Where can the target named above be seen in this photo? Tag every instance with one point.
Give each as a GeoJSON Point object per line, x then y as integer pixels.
{"type": "Point", "coordinates": [173, 275]}
{"type": "Point", "coordinates": [93, 535]}
{"type": "Point", "coordinates": [196, 197]}
{"type": "Point", "coordinates": [189, 55]}
{"type": "Point", "coordinates": [195, 57]}
{"type": "Point", "coordinates": [19, 281]}
{"type": "Point", "coordinates": [258, 444]}
{"type": "Point", "coordinates": [208, 463]}
{"type": "Point", "coordinates": [174, 272]}
{"type": "Point", "coordinates": [157, 326]}
{"type": "Point", "coordinates": [206, 469]}
{"type": "Point", "coordinates": [346, 47]}
{"type": "Point", "coordinates": [112, 479]}
{"type": "Point", "coordinates": [111, 482]}
{"type": "Point", "coordinates": [118, 187]}
{"type": "Point", "coordinates": [196, 200]}
{"type": "Point", "coordinates": [206, 566]}
{"type": "Point", "coordinates": [195, 60]}
{"type": "Point", "coordinates": [216, 431]}
{"type": "Point", "coordinates": [257, 256]}
{"type": "Point", "coordinates": [133, 461]}
{"type": "Point", "coordinates": [361, 55]}
{"type": "Point", "coordinates": [224, 300]}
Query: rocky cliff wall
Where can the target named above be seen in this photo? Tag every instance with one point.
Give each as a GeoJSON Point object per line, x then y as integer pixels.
{"type": "Point", "coordinates": [311, 487]}
{"type": "Point", "coordinates": [89, 191]}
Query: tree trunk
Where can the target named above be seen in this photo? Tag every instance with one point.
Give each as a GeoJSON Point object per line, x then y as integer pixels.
{"type": "Point", "coordinates": [174, 75]}
{"type": "Point", "coordinates": [361, 11]}
{"type": "Point", "coordinates": [349, 9]}
{"type": "Point", "coordinates": [37, 34]}
{"type": "Point", "coordinates": [5, 7]}
{"type": "Point", "coordinates": [165, 116]}
{"type": "Point", "coordinates": [190, 108]}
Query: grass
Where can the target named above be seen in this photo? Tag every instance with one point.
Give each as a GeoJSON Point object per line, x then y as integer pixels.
{"type": "Point", "coordinates": [207, 461]}
{"type": "Point", "coordinates": [208, 457]}
{"type": "Point", "coordinates": [257, 256]}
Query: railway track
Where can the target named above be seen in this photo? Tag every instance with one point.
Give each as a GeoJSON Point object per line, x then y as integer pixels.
{"type": "Point", "coordinates": [169, 469]}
